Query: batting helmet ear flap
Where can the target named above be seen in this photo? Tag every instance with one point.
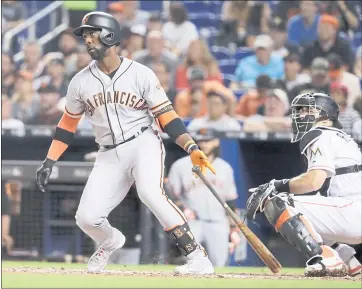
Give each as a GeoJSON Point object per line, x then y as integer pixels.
{"type": "Point", "coordinates": [108, 37]}
{"type": "Point", "coordinates": [108, 25]}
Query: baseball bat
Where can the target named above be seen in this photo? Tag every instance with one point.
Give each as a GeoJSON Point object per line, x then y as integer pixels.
{"type": "Point", "coordinates": [252, 239]}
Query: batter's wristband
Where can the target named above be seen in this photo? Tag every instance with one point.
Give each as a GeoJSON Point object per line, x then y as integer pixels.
{"type": "Point", "coordinates": [63, 135]}
{"type": "Point", "coordinates": [188, 144]}
{"type": "Point", "coordinates": [192, 148]}
{"type": "Point", "coordinates": [49, 163]}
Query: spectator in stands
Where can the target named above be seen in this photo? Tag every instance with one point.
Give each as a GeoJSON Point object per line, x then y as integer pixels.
{"type": "Point", "coordinates": [7, 119]}
{"type": "Point", "coordinates": [357, 126]}
{"type": "Point", "coordinates": [271, 115]}
{"type": "Point", "coordinates": [263, 62]}
{"type": "Point", "coordinates": [116, 10]}
{"type": "Point", "coordinates": [292, 72]}
{"type": "Point", "coordinates": [83, 59]}
{"type": "Point", "coordinates": [328, 42]}
{"type": "Point", "coordinates": [302, 28]}
{"type": "Point", "coordinates": [68, 46]}
{"type": "Point", "coordinates": [320, 79]}
{"type": "Point", "coordinates": [136, 41]}
{"type": "Point", "coordinates": [155, 22]}
{"type": "Point", "coordinates": [56, 71]}
{"type": "Point", "coordinates": [228, 36]}
{"type": "Point", "coordinates": [25, 99]}
{"type": "Point", "coordinates": [345, 11]}
{"type": "Point", "coordinates": [178, 31]}
{"type": "Point", "coordinates": [217, 118]}
{"type": "Point", "coordinates": [234, 16]}
{"type": "Point", "coordinates": [13, 13]}
{"type": "Point", "coordinates": [33, 62]}
{"type": "Point", "coordinates": [254, 98]}
{"type": "Point", "coordinates": [192, 102]}
{"type": "Point", "coordinates": [286, 9]}
{"type": "Point", "coordinates": [258, 21]}
{"type": "Point", "coordinates": [279, 35]}
{"type": "Point", "coordinates": [156, 52]}
{"type": "Point", "coordinates": [132, 15]}
{"type": "Point", "coordinates": [126, 36]}
{"type": "Point", "coordinates": [48, 113]}
{"type": "Point", "coordinates": [358, 63]}
{"type": "Point", "coordinates": [198, 55]}
{"type": "Point", "coordinates": [164, 75]}
{"type": "Point", "coordinates": [7, 74]}
{"type": "Point", "coordinates": [347, 115]}
{"type": "Point", "coordinates": [337, 73]}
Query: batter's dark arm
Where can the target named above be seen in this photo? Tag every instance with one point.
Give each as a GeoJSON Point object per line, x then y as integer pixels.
{"type": "Point", "coordinates": [172, 124]}
{"type": "Point", "coordinates": [63, 137]}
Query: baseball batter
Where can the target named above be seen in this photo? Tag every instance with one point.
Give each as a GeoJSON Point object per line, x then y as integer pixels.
{"type": "Point", "coordinates": [207, 218]}
{"type": "Point", "coordinates": [320, 225]}
{"type": "Point", "coordinates": [122, 99]}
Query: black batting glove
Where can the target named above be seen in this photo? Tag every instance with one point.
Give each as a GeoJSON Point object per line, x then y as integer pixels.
{"type": "Point", "coordinates": [43, 174]}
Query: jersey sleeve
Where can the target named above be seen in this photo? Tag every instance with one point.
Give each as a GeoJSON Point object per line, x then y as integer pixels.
{"type": "Point", "coordinates": [174, 179]}
{"type": "Point", "coordinates": [74, 105]}
{"type": "Point", "coordinates": [153, 93]}
{"type": "Point", "coordinates": [320, 156]}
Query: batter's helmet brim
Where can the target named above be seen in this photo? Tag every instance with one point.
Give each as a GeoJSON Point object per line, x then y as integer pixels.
{"type": "Point", "coordinates": [79, 30]}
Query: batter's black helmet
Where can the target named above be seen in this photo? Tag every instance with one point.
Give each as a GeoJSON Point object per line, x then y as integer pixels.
{"type": "Point", "coordinates": [303, 122]}
{"type": "Point", "coordinates": [104, 22]}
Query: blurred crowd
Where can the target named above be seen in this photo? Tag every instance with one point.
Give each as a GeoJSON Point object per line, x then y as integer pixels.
{"type": "Point", "coordinates": [294, 48]}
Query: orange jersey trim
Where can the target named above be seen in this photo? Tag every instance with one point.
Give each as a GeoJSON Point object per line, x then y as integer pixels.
{"type": "Point", "coordinates": [167, 117]}
{"type": "Point", "coordinates": [157, 106]}
{"type": "Point", "coordinates": [74, 115]}
{"type": "Point", "coordinates": [68, 123]}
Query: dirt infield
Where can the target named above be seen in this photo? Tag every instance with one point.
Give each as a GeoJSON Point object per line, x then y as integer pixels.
{"type": "Point", "coordinates": [63, 271]}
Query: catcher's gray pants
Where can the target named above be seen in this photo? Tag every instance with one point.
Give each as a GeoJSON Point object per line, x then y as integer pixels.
{"type": "Point", "coordinates": [140, 160]}
{"type": "Point", "coordinates": [215, 237]}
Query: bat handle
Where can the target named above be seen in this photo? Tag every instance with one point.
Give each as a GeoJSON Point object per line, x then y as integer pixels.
{"type": "Point", "coordinates": [196, 170]}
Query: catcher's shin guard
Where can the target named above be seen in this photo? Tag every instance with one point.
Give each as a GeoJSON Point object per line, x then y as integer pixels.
{"type": "Point", "coordinates": [184, 239]}
{"type": "Point", "coordinates": [293, 227]}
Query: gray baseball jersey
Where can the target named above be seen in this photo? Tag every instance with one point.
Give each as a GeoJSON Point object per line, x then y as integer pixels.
{"type": "Point", "coordinates": [195, 195]}
{"type": "Point", "coordinates": [116, 108]}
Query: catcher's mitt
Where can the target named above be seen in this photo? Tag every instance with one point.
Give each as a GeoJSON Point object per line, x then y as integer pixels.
{"type": "Point", "coordinates": [256, 201]}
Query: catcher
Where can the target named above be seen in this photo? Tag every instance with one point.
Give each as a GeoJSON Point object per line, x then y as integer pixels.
{"type": "Point", "coordinates": [320, 225]}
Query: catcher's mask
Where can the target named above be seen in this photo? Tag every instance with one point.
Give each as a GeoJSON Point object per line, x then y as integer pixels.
{"type": "Point", "coordinates": [309, 108]}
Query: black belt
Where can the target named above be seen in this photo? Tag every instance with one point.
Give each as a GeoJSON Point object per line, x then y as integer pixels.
{"type": "Point", "coordinates": [348, 170]}
{"type": "Point", "coordinates": [109, 147]}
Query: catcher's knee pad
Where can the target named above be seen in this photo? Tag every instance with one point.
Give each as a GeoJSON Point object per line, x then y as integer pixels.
{"type": "Point", "coordinates": [291, 227]}
{"type": "Point", "coordinates": [184, 239]}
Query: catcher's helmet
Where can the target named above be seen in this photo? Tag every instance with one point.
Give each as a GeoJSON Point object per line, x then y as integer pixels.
{"type": "Point", "coordinates": [104, 22]}
{"type": "Point", "coordinates": [309, 108]}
